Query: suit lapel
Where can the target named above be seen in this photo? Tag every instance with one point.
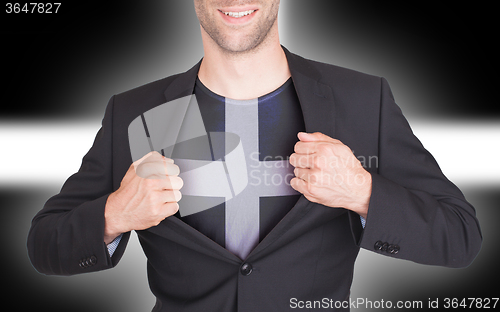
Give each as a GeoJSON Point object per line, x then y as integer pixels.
{"type": "Point", "coordinates": [183, 85]}
{"type": "Point", "coordinates": [316, 99]}
{"type": "Point", "coordinates": [317, 104]}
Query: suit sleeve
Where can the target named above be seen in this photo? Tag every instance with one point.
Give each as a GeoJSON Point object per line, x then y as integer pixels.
{"type": "Point", "coordinates": [415, 212]}
{"type": "Point", "coordinates": [67, 236]}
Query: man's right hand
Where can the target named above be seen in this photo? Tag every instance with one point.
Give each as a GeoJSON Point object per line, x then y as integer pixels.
{"type": "Point", "coordinates": [148, 194]}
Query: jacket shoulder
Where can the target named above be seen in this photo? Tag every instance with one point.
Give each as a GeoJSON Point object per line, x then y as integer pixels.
{"type": "Point", "coordinates": [148, 92]}
{"type": "Point", "coordinates": [334, 75]}
{"type": "Point", "coordinates": [360, 91]}
{"type": "Point", "coordinates": [128, 105]}
{"type": "Point", "coordinates": [344, 76]}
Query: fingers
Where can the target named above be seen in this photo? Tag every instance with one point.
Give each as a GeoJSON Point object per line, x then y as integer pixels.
{"type": "Point", "coordinates": [169, 196]}
{"type": "Point", "coordinates": [294, 161]}
{"type": "Point", "coordinates": [157, 170]}
{"type": "Point", "coordinates": [301, 161]}
{"type": "Point", "coordinates": [305, 174]}
{"type": "Point", "coordinates": [160, 174]}
{"type": "Point", "coordinates": [158, 214]}
{"type": "Point", "coordinates": [314, 178]}
{"type": "Point", "coordinates": [170, 183]}
{"type": "Point", "coordinates": [152, 156]}
{"type": "Point", "coordinates": [160, 185]}
{"type": "Point", "coordinates": [305, 147]}
{"type": "Point", "coordinates": [171, 208]}
{"type": "Point", "coordinates": [170, 169]}
{"type": "Point", "coordinates": [155, 166]}
{"type": "Point", "coordinates": [310, 161]}
{"type": "Point", "coordinates": [300, 186]}
{"type": "Point", "coordinates": [311, 143]}
{"type": "Point", "coordinates": [315, 147]}
{"type": "Point", "coordinates": [316, 137]}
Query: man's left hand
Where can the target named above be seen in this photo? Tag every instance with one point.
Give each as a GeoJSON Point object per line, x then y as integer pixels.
{"type": "Point", "coordinates": [328, 173]}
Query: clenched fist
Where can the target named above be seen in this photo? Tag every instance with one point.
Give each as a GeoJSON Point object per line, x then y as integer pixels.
{"type": "Point", "coordinates": [148, 194]}
{"type": "Point", "coordinates": [327, 172]}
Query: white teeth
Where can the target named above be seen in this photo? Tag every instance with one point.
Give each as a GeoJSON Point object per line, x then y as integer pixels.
{"type": "Point", "coordinates": [239, 14]}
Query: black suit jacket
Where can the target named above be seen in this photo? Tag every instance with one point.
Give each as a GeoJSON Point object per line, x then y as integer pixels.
{"type": "Point", "coordinates": [415, 212]}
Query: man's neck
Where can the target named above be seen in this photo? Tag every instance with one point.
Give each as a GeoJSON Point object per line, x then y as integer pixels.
{"type": "Point", "coordinates": [243, 76]}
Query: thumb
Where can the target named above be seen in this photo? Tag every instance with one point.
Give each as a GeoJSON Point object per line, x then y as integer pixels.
{"type": "Point", "coordinates": [315, 137]}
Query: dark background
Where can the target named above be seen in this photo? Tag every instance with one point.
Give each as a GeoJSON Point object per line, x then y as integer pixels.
{"type": "Point", "coordinates": [441, 62]}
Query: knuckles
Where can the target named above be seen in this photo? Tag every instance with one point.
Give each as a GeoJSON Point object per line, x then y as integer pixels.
{"type": "Point", "coordinates": [177, 195]}
{"type": "Point", "coordinates": [296, 147]}
{"type": "Point", "coordinates": [293, 160]}
{"type": "Point", "coordinates": [324, 148]}
{"type": "Point", "coordinates": [319, 162]}
{"type": "Point", "coordinates": [172, 208]}
{"type": "Point", "coordinates": [176, 182]}
{"type": "Point", "coordinates": [156, 170]}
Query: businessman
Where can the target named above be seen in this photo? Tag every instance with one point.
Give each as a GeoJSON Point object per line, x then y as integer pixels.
{"type": "Point", "coordinates": [272, 242]}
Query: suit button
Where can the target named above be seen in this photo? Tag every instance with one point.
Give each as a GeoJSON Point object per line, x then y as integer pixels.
{"type": "Point", "coordinates": [246, 269]}
{"type": "Point", "coordinates": [93, 260]}
{"type": "Point", "coordinates": [378, 245]}
{"type": "Point", "coordinates": [393, 249]}
{"type": "Point", "coordinates": [83, 263]}
{"type": "Point", "coordinates": [390, 249]}
{"type": "Point", "coordinates": [384, 247]}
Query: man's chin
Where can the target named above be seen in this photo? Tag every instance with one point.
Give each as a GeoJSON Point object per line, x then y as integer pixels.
{"type": "Point", "coordinates": [239, 44]}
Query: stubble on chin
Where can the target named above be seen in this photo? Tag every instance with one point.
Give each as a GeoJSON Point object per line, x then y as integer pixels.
{"type": "Point", "coordinates": [245, 43]}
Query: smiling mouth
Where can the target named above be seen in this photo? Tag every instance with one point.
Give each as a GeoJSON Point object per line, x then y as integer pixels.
{"type": "Point", "coordinates": [239, 14]}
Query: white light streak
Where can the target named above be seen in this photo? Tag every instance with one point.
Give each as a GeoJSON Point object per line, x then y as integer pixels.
{"type": "Point", "coordinates": [38, 153]}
